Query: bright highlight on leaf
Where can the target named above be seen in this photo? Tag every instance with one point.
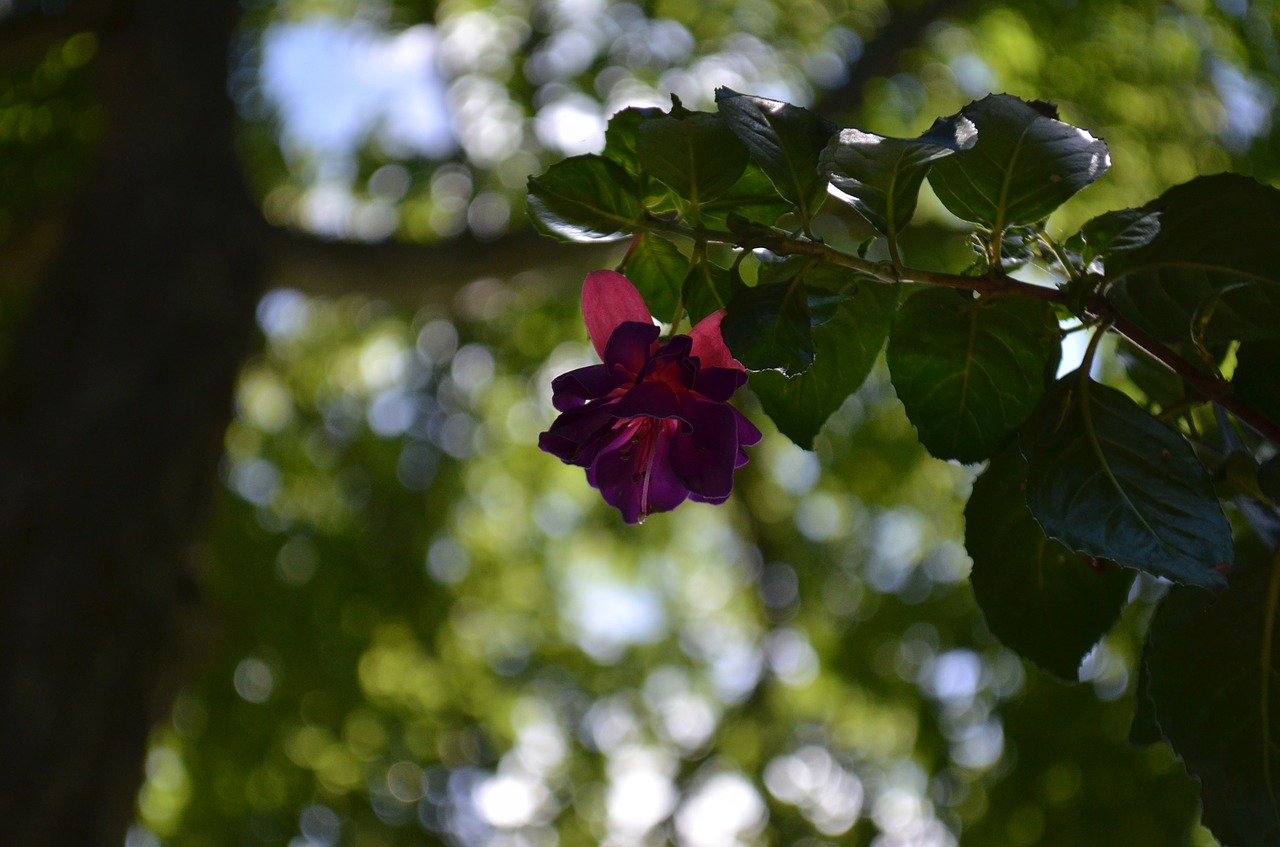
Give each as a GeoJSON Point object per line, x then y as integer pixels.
{"type": "Point", "coordinates": [881, 177]}
{"type": "Point", "coordinates": [1024, 165]}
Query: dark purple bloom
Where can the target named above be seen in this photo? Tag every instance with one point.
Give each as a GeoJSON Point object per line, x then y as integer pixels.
{"type": "Point", "coordinates": [652, 424]}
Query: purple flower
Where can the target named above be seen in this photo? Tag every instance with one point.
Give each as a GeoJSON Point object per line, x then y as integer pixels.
{"type": "Point", "coordinates": [652, 424]}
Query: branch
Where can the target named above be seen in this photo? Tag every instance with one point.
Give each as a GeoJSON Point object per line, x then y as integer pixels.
{"type": "Point", "coordinates": [1212, 388]}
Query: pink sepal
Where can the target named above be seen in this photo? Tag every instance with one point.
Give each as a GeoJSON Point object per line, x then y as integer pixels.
{"type": "Point", "coordinates": [609, 299]}
{"type": "Point", "coordinates": [709, 346]}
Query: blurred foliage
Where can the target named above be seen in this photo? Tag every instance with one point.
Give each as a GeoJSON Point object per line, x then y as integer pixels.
{"type": "Point", "coordinates": [426, 631]}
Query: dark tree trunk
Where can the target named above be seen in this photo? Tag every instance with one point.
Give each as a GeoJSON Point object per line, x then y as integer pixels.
{"type": "Point", "coordinates": [112, 409]}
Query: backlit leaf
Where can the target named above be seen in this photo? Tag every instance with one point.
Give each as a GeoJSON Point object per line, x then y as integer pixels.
{"type": "Point", "coordinates": [1049, 604]}
{"type": "Point", "coordinates": [1107, 479]}
{"type": "Point", "coordinates": [753, 197]}
{"type": "Point", "coordinates": [657, 268]}
{"type": "Point", "coordinates": [968, 371]}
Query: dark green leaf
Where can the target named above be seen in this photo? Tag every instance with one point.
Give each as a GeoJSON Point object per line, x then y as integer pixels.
{"type": "Point", "coordinates": [1213, 270]}
{"type": "Point", "coordinates": [768, 327]}
{"type": "Point", "coordinates": [1212, 679]}
{"type": "Point", "coordinates": [847, 347]}
{"type": "Point", "coordinates": [1023, 166]}
{"type": "Point", "coordinates": [693, 152]}
{"type": "Point", "coordinates": [753, 197]}
{"type": "Point", "coordinates": [826, 291]}
{"type": "Point", "coordinates": [1109, 480]}
{"type": "Point", "coordinates": [585, 198]}
{"type": "Point", "coordinates": [785, 140]}
{"type": "Point", "coordinates": [706, 288]}
{"type": "Point", "coordinates": [968, 371]}
{"type": "Point", "coordinates": [1257, 377]}
{"type": "Point", "coordinates": [657, 268]}
{"type": "Point", "coordinates": [880, 177]}
{"type": "Point", "coordinates": [1049, 604]}
{"type": "Point", "coordinates": [1115, 232]}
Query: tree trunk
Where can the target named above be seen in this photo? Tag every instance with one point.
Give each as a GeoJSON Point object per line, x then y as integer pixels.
{"type": "Point", "coordinates": [112, 408]}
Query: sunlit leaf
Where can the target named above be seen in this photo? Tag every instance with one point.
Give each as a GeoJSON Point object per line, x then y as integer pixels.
{"type": "Point", "coordinates": [785, 140]}
{"type": "Point", "coordinates": [968, 371]}
{"type": "Point", "coordinates": [846, 346]}
{"type": "Point", "coordinates": [1213, 270]}
{"type": "Point", "coordinates": [1212, 679]}
{"type": "Point", "coordinates": [1024, 165]}
{"type": "Point", "coordinates": [585, 198]}
{"type": "Point", "coordinates": [881, 177]}
{"type": "Point", "coordinates": [768, 326]}
{"type": "Point", "coordinates": [1049, 604]}
{"type": "Point", "coordinates": [1109, 480]}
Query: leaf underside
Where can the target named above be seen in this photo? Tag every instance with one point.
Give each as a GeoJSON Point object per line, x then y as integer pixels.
{"type": "Point", "coordinates": [1049, 604]}
{"type": "Point", "coordinates": [1107, 479]}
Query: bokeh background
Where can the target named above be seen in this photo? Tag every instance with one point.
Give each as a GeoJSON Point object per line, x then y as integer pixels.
{"type": "Point", "coordinates": [417, 629]}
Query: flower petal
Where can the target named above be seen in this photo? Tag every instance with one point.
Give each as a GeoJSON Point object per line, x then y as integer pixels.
{"type": "Point", "coordinates": [719, 383]}
{"type": "Point", "coordinates": [572, 389]}
{"type": "Point", "coordinates": [609, 299]}
{"type": "Point", "coordinates": [709, 346]}
{"type": "Point", "coordinates": [704, 457]}
{"type": "Point", "coordinates": [629, 348]}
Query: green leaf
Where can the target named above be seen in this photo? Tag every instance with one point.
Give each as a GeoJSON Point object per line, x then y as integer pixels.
{"type": "Point", "coordinates": [707, 287]}
{"type": "Point", "coordinates": [621, 133]}
{"type": "Point", "coordinates": [846, 349]}
{"type": "Point", "coordinates": [1115, 232]}
{"type": "Point", "coordinates": [1109, 480]}
{"type": "Point", "coordinates": [1161, 385]}
{"type": "Point", "coordinates": [695, 153]}
{"type": "Point", "coordinates": [753, 197]}
{"type": "Point", "coordinates": [768, 327]}
{"type": "Point", "coordinates": [585, 198]}
{"type": "Point", "coordinates": [968, 371]}
{"type": "Point", "coordinates": [1049, 604]}
{"type": "Point", "coordinates": [1212, 680]}
{"type": "Point", "coordinates": [785, 140]}
{"type": "Point", "coordinates": [657, 268]}
{"type": "Point", "coordinates": [880, 177]}
{"type": "Point", "coordinates": [1257, 377]}
{"type": "Point", "coordinates": [1024, 165]}
{"type": "Point", "coordinates": [1213, 270]}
